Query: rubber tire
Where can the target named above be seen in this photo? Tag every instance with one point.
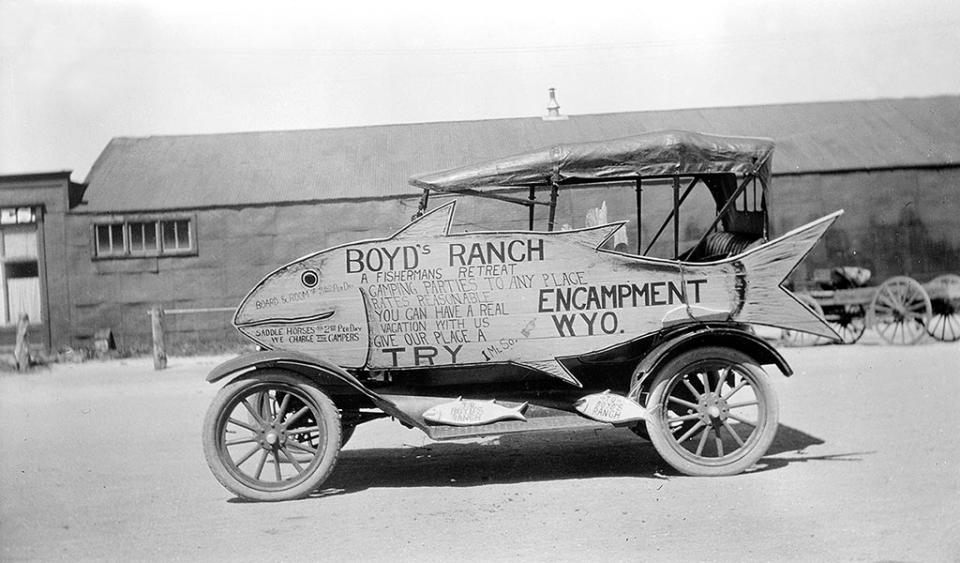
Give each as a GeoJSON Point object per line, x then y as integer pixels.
{"type": "Point", "coordinates": [328, 414]}
{"type": "Point", "coordinates": [757, 444]}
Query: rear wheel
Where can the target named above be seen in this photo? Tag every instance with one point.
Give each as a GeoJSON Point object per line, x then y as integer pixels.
{"type": "Point", "coordinates": [272, 436]}
{"type": "Point", "coordinates": [712, 412]}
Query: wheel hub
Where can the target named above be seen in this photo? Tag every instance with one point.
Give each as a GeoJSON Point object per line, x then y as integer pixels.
{"type": "Point", "coordinates": [272, 437]}
{"type": "Point", "coordinates": [712, 407]}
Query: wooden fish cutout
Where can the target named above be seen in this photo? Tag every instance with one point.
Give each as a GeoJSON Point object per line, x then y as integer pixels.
{"type": "Point", "coordinates": [472, 413]}
{"type": "Point", "coordinates": [610, 407]}
{"type": "Point", "coordinates": [425, 297]}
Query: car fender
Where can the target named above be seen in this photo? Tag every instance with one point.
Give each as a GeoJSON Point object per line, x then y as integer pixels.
{"type": "Point", "coordinates": [325, 373]}
{"type": "Point", "coordinates": [704, 335]}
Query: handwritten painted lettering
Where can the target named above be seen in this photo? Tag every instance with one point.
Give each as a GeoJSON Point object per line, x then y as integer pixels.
{"type": "Point", "coordinates": [496, 252]}
{"type": "Point", "coordinates": [618, 296]}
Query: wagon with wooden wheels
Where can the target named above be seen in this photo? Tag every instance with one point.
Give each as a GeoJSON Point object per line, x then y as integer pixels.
{"type": "Point", "coordinates": [839, 296]}
{"type": "Point", "coordinates": [560, 325]}
{"type": "Point", "coordinates": [901, 310]}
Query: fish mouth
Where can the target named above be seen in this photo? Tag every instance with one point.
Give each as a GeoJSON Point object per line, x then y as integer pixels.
{"type": "Point", "coordinates": [287, 320]}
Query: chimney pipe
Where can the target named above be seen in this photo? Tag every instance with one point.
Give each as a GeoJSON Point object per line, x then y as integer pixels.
{"type": "Point", "coordinates": [553, 108]}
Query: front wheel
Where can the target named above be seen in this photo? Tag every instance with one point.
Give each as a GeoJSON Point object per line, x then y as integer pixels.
{"type": "Point", "coordinates": [712, 412]}
{"type": "Point", "coordinates": [271, 436]}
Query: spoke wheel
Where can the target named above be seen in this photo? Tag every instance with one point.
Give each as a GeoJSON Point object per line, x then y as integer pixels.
{"type": "Point", "coordinates": [944, 325]}
{"type": "Point", "coordinates": [713, 412]}
{"type": "Point", "coordinates": [900, 311]}
{"type": "Point", "coordinates": [849, 321]}
{"type": "Point", "coordinates": [797, 338]}
{"type": "Point", "coordinates": [271, 436]}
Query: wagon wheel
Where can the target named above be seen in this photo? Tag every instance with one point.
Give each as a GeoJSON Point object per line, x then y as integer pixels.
{"type": "Point", "coordinates": [713, 412]}
{"type": "Point", "coordinates": [270, 437]}
{"type": "Point", "coordinates": [900, 310]}
{"type": "Point", "coordinates": [849, 322]}
{"type": "Point", "coordinates": [944, 325]}
{"type": "Point", "coordinates": [797, 338]}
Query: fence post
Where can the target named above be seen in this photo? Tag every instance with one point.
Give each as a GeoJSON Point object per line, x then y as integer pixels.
{"type": "Point", "coordinates": [159, 351]}
{"type": "Point", "coordinates": [21, 351]}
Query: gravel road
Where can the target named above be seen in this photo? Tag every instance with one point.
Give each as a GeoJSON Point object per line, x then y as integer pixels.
{"type": "Point", "coordinates": [102, 461]}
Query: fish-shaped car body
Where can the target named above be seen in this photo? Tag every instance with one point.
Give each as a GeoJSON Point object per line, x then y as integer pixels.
{"type": "Point", "coordinates": [472, 413]}
{"type": "Point", "coordinates": [456, 333]}
{"type": "Point", "coordinates": [425, 297]}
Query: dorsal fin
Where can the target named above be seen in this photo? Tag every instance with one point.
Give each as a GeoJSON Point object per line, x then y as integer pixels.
{"type": "Point", "coordinates": [435, 223]}
{"type": "Point", "coordinates": [592, 237]}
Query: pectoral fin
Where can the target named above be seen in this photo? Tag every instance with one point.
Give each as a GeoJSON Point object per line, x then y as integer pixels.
{"type": "Point", "coordinates": [554, 368]}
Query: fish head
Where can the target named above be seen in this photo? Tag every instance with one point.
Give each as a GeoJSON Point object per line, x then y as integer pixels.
{"type": "Point", "coordinates": [308, 306]}
{"type": "Point", "coordinates": [433, 413]}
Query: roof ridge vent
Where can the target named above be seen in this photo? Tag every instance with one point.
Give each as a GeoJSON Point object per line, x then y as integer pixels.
{"type": "Point", "coordinates": [553, 108]}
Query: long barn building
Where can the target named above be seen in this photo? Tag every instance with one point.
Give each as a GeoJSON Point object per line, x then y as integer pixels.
{"type": "Point", "coordinates": [193, 222]}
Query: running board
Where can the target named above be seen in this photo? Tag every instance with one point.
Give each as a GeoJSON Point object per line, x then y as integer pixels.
{"type": "Point", "coordinates": [538, 419]}
{"type": "Point", "coordinates": [565, 421]}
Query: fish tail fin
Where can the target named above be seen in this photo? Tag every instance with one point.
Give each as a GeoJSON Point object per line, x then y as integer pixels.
{"type": "Point", "coordinates": [764, 300]}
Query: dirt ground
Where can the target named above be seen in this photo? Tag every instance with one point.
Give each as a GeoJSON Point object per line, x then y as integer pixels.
{"type": "Point", "coordinates": [102, 461]}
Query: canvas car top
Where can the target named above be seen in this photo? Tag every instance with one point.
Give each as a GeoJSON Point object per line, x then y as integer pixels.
{"type": "Point", "coordinates": [656, 154]}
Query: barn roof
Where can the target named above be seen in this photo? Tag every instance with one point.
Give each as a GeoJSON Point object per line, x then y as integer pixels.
{"type": "Point", "coordinates": [239, 169]}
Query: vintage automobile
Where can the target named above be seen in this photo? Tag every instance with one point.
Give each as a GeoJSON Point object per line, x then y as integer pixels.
{"type": "Point", "coordinates": [471, 333]}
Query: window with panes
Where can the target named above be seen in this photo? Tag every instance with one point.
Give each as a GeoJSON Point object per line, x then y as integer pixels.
{"type": "Point", "coordinates": [142, 236]}
{"type": "Point", "coordinates": [19, 265]}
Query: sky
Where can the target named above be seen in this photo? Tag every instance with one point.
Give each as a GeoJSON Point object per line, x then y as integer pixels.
{"type": "Point", "coordinates": [75, 74]}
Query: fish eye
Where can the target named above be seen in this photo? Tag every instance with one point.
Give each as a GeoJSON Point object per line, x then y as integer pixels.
{"type": "Point", "coordinates": [309, 278]}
